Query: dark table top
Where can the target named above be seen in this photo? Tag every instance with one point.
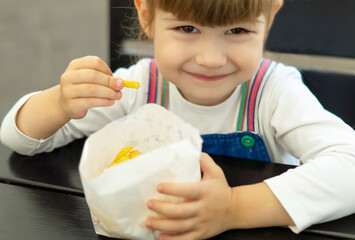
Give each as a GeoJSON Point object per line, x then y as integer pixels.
{"type": "Point", "coordinates": [55, 170]}
{"type": "Point", "coordinates": [42, 196]}
{"type": "Point", "coordinates": [30, 213]}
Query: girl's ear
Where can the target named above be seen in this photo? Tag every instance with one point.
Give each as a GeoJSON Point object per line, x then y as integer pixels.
{"type": "Point", "coordinates": [143, 15]}
{"type": "Point", "coordinates": [277, 7]}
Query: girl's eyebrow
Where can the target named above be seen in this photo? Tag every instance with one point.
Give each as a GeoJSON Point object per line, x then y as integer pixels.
{"type": "Point", "coordinates": [169, 18]}
{"type": "Point", "coordinates": [258, 21]}
{"type": "Point", "coordinates": [176, 21]}
{"type": "Point", "coordinates": [250, 23]}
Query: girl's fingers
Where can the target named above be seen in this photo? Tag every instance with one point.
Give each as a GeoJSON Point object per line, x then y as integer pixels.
{"type": "Point", "coordinates": [171, 225]}
{"type": "Point", "coordinates": [92, 91]}
{"type": "Point", "coordinates": [90, 62]}
{"type": "Point", "coordinates": [174, 210]}
{"type": "Point", "coordinates": [93, 102]}
{"type": "Point", "coordinates": [186, 190]}
{"type": "Point", "coordinates": [78, 108]}
{"type": "Point", "coordinates": [93, 77]}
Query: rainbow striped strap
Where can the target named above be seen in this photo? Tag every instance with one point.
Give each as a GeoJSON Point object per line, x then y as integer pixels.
{"type": "Point", "coordinates": [157, 84]}
{"type": "Point", "coordinates": [242, 108]}
{"type": "Point", "coordinates": [251, 96]}
{"type": "Point", "coordinates": [152, 90]}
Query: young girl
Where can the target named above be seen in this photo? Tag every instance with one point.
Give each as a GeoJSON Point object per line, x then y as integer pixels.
{"type": "Point", "coordinates": [208, 69]}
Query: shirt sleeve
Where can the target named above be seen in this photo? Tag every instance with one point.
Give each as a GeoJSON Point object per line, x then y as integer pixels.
{"type": "Point", "coordinates": [13, 138]}
{"type": "Point", "coordinates": [322, 188]}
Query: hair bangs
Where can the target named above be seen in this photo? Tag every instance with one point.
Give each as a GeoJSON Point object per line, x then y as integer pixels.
{"type": "Point", "coordinates": [215, 12]}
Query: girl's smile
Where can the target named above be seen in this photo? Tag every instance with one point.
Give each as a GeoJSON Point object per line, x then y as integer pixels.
{"type": "Point", "coordinates": [210, 78]}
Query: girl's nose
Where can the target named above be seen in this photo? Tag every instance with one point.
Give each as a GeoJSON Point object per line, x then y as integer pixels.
{"type": "Point", "coordinates": [211, 56]}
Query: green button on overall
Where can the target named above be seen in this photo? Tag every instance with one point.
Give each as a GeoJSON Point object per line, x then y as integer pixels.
{"type": "Point", "coordinates": [247, 141]}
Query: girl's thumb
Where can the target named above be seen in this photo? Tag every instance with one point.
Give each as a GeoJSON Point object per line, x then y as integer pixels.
{"type": "Point", "coordinates": [209, 168]}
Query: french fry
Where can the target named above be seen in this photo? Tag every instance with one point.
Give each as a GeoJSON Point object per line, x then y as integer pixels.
{"type": "Point", "coordinates": [123, 152]}
{"type": "Point", "coordinates": [133, 154]}
{"type": "Point", "coordinates": [121, 160]}
{"type": "Point", "coordinates": [124, 155]}
{"type": "Point", "coordinates": [131, 84]}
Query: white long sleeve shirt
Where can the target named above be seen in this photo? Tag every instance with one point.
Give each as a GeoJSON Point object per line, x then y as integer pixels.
{"type": "Point", "coordinates": [295, 127]}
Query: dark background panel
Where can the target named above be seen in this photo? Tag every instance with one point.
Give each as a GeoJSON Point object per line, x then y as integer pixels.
{"type": "Point", "coordinates": [336, 92]}
{"type": "Point", "coordinates": [122, 24]}
{"type": "Point", "coordinates": [317, 27]}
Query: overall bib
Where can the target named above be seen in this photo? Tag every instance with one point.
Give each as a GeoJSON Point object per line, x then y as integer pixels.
{"type": "Point", "coordinates": [246, 142]}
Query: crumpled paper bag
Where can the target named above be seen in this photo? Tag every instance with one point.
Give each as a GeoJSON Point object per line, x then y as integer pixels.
{"type": "Point", "coordinates": [117, 196]}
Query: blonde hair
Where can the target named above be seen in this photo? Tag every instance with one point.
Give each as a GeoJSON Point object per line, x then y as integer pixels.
{"type": "Point", "coordinates": [213, 12]}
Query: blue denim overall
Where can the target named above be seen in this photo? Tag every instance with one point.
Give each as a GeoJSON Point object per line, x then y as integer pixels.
{"type": "Point", "coordinates": [246, 144]}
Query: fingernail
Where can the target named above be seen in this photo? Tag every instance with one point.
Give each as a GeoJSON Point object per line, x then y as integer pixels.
{"type": "Point", "coordinates": [149, 223]}
{"type": "Point", "coordinates": [150, 204]}
{"type": "Point", "coordinates": [119, 95]}
{"type": "Point", "coordinates": [160, 188]}
{"type": "Point", "coordinates": [119, 82]}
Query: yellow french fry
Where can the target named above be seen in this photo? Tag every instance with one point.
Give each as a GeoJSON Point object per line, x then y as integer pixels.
{"type": "Point", "coordinates": [122, 153]}
{"type": "Point", "coordinates": [131, 84]}
{"type": "Point", "coordinates": [133, 154]}
{"type": "Point", "coordinates": [121, 160]}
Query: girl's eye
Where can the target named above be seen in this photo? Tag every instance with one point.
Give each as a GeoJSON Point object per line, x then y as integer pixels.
{"type": "Point", "coordinates": [237, 31]}
{"type": "Point", "coordinates": [188, 29]}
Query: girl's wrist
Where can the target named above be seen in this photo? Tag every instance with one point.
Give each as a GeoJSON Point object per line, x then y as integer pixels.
{"type": "Point", "coordinates": [41, 116]}
{"type": "Point", "coordinates": [58, 111]}
{"type": "Point", "coordinates": [243, 212]}
{"type": "Point", "coordinates": [233, 219]}
{"type": "Point", "coordinates": [255, 206]}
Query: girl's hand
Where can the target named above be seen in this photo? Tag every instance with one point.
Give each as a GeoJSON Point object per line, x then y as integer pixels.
{"type": "Point", "coordinates": [87, 83]}
{"type": "Point", "coordinates": [203, 214]}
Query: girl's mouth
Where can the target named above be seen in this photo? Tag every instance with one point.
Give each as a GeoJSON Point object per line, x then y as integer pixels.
{"type": "Point", "coordinates": [209, 77]}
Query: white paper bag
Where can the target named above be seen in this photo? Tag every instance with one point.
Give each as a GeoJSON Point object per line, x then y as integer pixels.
{"type": "Point", "coordinates": [117, 196]}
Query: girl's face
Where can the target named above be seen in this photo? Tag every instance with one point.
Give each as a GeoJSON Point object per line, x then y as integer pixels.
{"type": "Point", "coordinates": [207, 63]}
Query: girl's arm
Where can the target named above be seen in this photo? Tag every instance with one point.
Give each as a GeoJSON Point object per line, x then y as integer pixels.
{"type": "Point", "coordinates": [87, 83]}
{"type": "Point", "coordinates": [323, 144]}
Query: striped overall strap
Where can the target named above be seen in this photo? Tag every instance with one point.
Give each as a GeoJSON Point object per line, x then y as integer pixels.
{"type": "Point", "coordinates": [251, 94]}
{"type": "Point", "coordinates": [158, 89]}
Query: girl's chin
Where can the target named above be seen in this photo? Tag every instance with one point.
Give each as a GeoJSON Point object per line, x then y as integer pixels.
{"type": "Point", "coordinates": [205, 100]}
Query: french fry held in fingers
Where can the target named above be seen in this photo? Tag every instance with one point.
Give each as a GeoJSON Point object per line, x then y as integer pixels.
{"type": "Point", "coordinates": [131, 84]}
{"type": "Point", "coordinates": [124, 155]}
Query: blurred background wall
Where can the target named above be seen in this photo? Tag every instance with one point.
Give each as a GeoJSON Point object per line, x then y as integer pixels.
{"type": "Point", "coordinates": [38, 39]}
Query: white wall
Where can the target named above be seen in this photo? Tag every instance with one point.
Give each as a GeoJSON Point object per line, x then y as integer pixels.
{"type": "Point", "coordinates": [38, 39]}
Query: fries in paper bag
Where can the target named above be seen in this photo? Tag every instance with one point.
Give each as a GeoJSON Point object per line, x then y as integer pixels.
{"type": "Point", "coordinates": [117, 194]}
